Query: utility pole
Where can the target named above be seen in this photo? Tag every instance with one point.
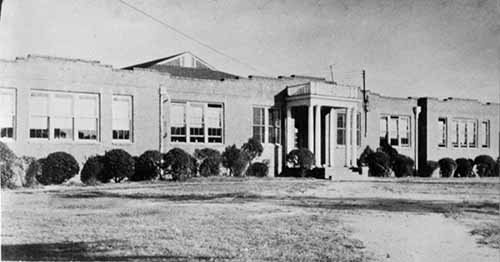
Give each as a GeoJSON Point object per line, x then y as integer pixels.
{"type": "Point", "coordinates": [365, 106]}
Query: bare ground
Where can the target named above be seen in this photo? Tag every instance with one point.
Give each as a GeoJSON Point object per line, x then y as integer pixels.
{"type": "Point", "coordinates": [230, 219]}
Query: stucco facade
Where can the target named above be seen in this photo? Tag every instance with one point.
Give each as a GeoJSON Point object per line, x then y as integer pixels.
{"type": "Point", "coordinates": [284, 112]}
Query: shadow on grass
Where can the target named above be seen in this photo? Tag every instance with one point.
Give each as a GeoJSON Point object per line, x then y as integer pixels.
{"type": "Point", "coordinates": [378, 204]}
{"type": "Point", "coordinates": [84, 251]}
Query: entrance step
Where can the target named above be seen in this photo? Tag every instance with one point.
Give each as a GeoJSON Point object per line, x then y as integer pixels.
{"type": "Point", "coordinates": [343, 174]}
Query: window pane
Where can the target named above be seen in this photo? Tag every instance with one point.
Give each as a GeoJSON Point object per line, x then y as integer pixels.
{"type": "Point", "coordinates": [63, 128]}
{"type": "Point", "coordinates": [121, 107]}
{"type": "Point", "coordinates": [39, 104]}
{"type": "Point", "coordinates": [87, 128]}
{"type": "Point", "coordinates": [471, 133]}
{"type": "Point", "coordinates": [121, 124]}
{"type": "Point", "coordinates": [383, 130]}
{"type": "Point", "coordinates": [196, 116]}
{"type": "Point", "coordinates": [340, 136]}
{"type": "Point", "coordinates": [484, 135]}
{"type": "Point", "coordinates": [177, 115]}
{"type": "Point", "coordinates": [62, 105]}
{"type": "Point", "coordinates": [7, 100]}
{"type": "Point", "coordinates": [39, 127]}
{"type": "Point", "coordinates": [6, 121]}
{"type": "Point", "coordinates": [404, 130]}
{"type": "Point", "coordinates": [258, 116]}
{"type": "Point", "coordinates": [393, 131]}
{"type": "Point", "coordinates": [454, 133]}
{"type": "Point", "coordinates": [462, 130]}
{"type": "Point", "coordinates": [214, 116]}
{"type": "Point", "coordinates": [86, 106]}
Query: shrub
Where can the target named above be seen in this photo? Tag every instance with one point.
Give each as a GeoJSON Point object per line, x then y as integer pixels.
{"type": "Point", "coordinates": [497, 167]}
{"type": "Point", "coordinates": [235, 160]}
{"type": "Point", "coordinates": [57, 168]}
{"type": "Point", "coordinates": [402, 166]}
{"type": "Point", "coordinates": [118, 165]}
{"type": "Point", "coordinates": [302, 159]}
{"type": "Point", "coordinates": [388, 149]}
{"type": "Point", "coordinates": [447, 166]}
{"type": "Point", "coordinates": [363, 158]}
{"type": "Point", "coordinates": [485, 165]}
{"type": "Point", "coordinates": [429, 168]}
{"type": "Point", "coordinates": [179, 164]}
{"type": "Point", "coordinates": [379, 164]}
{"type": "Point", "coordinates": [210, 161]}
{"type": "Point", "coordinates": [33, 170]}
{"type": "Point", "coordinates": [464, 167]}
{"type": "Point", "coordinates": [258, 169]}
{"type": "Point", "coordinates": [147, 166]}
{"type": "Point", "coordinates": [7, 174]}
{"type": "Point", "coordinates": [93, 171]}
{"type": "Point", "coordinates": [252, 148]}
{"type": "Point", "coordinates": [5, 153]}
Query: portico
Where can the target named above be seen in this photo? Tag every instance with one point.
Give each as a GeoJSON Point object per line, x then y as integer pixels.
{"type": "Point", "coordinates": [323, 118]}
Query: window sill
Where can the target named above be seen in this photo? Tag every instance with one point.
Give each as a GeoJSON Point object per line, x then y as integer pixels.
{"type": "Point", "coordinates": [59, 142]}
{"type": "Point", "coordinates": [193, 143]}
{"type": "Point", "coordinates": [7, 140]}
{"type": "Point", "coordinates": [122, 142]}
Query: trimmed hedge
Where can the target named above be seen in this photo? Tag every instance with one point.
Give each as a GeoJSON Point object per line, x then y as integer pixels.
{"type": "Point", "coordinates": [93, 171]}
{"type": "Point", "coordinates": [447, 166]}
{"type": "Point", "coordinates": [302, 159]}
{"type": "Point", "coordinates": [464, 167]}
{"type": "Point", "coordinates": [118, 165]}
{"type": "Point", "coordinates": [147, 166]}
{"type": "Point", "coordinates": [429, 168]}
{"type": "Point", "coordinates": [58, 167]}
{"type": "Point", "coordinates": [179, 164]}
{"type": "Point", "coordinates": [485, 165]}
{"type": "Point", "coordinates": [235, 160]}
{"type": "Point", "coordinates": [403, 166]}
{"type": "Point", "coordinates": [258, 169]}
{"type": "Point", "coordinates": [379, 164]}
{"type": "Point", "coordinates": [210, 161]}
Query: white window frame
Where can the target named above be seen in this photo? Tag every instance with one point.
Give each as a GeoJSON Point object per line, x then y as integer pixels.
{"type": "Point", "coordinates": [341, 129]}
{"type": "Point", "coordinates": [261, 126]}
{"type": "Point", "coordinates": [461, 137]}
{"type": "Point", "coordinates": [13, 114]}
{"type": "Point", "coordinates": [486, 133]}
{"type": "Point", "coordinates": [207, 139]}
{"type": "Point", "coordinates": [398, 130]}
{"type": "Point", "coordinates": [274, 129]}
{"type": "Point", "coordinates": [75, 97]}
{"type": "Point", "coordinates": [443, 140]}
{"type": "Point", "coordinates": [130, 118]}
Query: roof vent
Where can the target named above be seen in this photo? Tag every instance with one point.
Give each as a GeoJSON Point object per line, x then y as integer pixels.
{"type": "Point", "coordinates": [488, 103]}
{"type": "Point", "coordinates": [450, 98]}
{"type": "Point", "coordinates": [280, 77]}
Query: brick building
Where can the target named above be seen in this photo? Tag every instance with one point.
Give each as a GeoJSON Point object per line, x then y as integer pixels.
{"type": "Point", "coordinates": [84, 108]}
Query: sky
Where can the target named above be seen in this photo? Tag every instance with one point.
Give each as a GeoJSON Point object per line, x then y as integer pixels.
{"type": "Point", "coordinates": [437, 48]}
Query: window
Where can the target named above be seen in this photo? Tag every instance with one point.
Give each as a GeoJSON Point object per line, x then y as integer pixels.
{"type": "Point", "coordinates": [358, 129]}
{"type": "Point", "coordinates": [341, 128]}
{"type": "Point", "coordinates": [86, 117]}
{"type": "Point", "coordinates": [62, 120]}
{"type": "Point", "coordinates": [395, 130]}
{"type": "Point", "coordinates": [196, 129]}
{"type": "Point", "coordinates": [62, 113]}
{"type": "Point", "coordinates": [383, 130]}
{"type": "Point", "coordinates": [274, 126]}
{"type": "Point", "coordinates": [39, 115]}
{"type": "Point", "coordinates": [204, 122]}
{"type": "Point", "coordinates": [472, 133]}
{"type": "Point", "coordinates": [178, 122]}
{"type": "Point", "coordinates": [404, 130]}
{"type": "Point", "coordinates": [454, 133]}
{"type": "Point", "coordinates": [442, 127]}
{"type": "Point", "coordinates": [122, 117]}
{"type": "Point", "coordinates": [7, 112]}
{"type": "Point", "coordinates": [259, 123]}
{"type": "Point", "coordinates": [214, 123]}
{"type": "Point", "coordinates": [485, 133]}
{"type": "Point", "coordinates": [464, 133]}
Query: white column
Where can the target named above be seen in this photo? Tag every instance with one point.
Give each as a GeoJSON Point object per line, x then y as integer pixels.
{"type": "Point", "coordinates": [327, 138]}
{"type": "Point", "coordinates": [289, 129]}
{"type": "Point", "coordinates": [205, 126]}
{"type": "Point", "coordinates": [333, 136]}
{"type": "Point", "coordinates": [310, 128]}
{"type": "Point", "coordinates": [354, 136]}
{"type": "Point", "coordinates": [348, 138]}
{"type": "Point", "coordinates": [317, 147]}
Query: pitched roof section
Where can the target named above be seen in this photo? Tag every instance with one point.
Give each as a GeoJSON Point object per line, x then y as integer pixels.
{"type": "Point", "coordinates": [185, 65]}
{"type": "Point", "coordinates": [199, 73]}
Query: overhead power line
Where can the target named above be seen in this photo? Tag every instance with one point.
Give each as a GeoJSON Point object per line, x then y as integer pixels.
{"type": "Point", "coordinates": [188, 36]}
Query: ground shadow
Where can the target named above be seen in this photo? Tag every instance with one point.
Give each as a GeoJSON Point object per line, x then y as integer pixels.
{"type": "Point", "coordinates": [339, 203]}
{"type": "Point", "coordinates": [84, 251]}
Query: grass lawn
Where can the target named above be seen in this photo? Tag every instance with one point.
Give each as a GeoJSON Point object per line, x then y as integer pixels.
{"type": "Point", "coordinates": [226, 219]}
